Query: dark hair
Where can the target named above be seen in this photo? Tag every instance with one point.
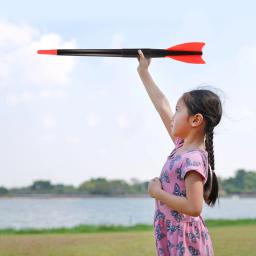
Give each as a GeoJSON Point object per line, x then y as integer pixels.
{"type": "Point", "coordinates": [207, 103]}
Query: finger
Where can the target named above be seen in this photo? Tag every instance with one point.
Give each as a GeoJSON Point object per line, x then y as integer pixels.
{"type": "Point", "coordinates": [141, 53]}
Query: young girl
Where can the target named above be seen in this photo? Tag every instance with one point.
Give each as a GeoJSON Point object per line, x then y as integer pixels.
{"type": "Point", "coordinates": [187, 178]}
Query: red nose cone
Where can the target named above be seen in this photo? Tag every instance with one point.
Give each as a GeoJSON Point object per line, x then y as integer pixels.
{"type": "Point", "coordinates": [52, 52]}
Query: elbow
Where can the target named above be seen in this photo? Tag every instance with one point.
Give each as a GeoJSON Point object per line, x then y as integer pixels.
{"type": "Point", "coordinates": [195, 211]}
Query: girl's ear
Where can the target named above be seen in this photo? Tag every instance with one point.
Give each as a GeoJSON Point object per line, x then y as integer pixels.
{"type": "Point", "coordinates": [197, 120]}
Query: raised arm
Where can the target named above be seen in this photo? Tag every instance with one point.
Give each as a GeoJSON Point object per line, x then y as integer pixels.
{"type": "Point", "coordinates": [158, 99]}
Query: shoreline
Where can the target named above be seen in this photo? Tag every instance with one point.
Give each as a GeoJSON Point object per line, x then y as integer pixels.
{"type": "Point", "coordinates": [56, 196]}
{"type": "Point", "coordinates": [84, 228]}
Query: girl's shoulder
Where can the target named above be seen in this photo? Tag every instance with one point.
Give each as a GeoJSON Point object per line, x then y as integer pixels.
{"type": "Point", "coordinates": [190, 154]}
{"type": "Point", "coordinates": [196, 158]}
{"type": "Point", "coordinates": [194, 154]}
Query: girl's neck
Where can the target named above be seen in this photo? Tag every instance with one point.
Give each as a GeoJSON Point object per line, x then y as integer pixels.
{"type": "Point", "coordinates": [193, 142]}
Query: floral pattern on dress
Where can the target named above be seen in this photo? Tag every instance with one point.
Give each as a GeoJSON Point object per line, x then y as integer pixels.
{"type": "Point", "coordinates": [178, 234]}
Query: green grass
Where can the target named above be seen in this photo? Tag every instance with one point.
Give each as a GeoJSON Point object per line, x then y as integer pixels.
{"type": "Point", "coordinates": [116, 228]}
{"type": "Point", "coordinates": [78, 229]}
{"type": "Point", "coordinates": [229, 238]}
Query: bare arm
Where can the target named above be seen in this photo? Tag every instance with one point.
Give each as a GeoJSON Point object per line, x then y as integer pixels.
{"type": "Point", "coordinates": [159, 100]}
{"type": "Point", "coordinates": [191, 205]}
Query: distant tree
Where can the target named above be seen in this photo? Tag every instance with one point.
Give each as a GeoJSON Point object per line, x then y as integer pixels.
{"type": "Point", "coordinates": [102, 186]}
{"type": "Point", "coordinates": [239, 179]}
{"type": "Point", "coordinates": [96, 186]}
{"type": "Point", "coordinates": [242, 182]}
{"type": "Point", "coordinates": [3, 191]}
{"type": "Point", "coordinates": [64, 189]}
{"type": "Point", "coordinates": [41, 185]}
{"type": "Point", "coordinates": [134, 181]}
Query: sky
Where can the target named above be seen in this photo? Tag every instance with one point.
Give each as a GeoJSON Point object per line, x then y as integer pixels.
{"type": "Point", "coordinates": [69, 119]}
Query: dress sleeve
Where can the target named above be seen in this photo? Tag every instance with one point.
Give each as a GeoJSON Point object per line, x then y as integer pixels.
{"type": "Point", "coordinates": [193, 161]}
{"type": "Point", "coordinates": [178, 142]}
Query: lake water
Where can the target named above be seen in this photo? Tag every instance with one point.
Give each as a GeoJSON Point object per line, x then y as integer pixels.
{"type": "Point", "coordinates": [67, 212]}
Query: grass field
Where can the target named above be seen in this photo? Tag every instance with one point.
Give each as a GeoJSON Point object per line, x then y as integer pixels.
{"type": "Point", "coordinates": [229, 238]}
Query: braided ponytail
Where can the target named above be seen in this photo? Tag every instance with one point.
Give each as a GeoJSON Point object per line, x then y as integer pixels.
{"type": "Point", "coordinates": [211, 187]}
{"type": "Point", "coordinates": [209, 105]}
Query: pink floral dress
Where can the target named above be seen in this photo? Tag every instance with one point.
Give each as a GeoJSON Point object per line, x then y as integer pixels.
{"type": "Point", "coordinates": [178, 234]}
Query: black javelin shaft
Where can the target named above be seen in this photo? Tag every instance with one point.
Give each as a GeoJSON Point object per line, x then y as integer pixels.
{"type": "Point", "coordinates": [129, 53]}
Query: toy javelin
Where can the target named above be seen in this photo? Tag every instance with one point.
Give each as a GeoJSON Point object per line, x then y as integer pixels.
{"type": "Point", "coordinates": [187, 52]}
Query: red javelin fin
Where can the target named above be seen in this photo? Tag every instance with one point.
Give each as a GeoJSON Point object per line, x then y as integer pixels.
{"type": "Point", "coordinates": [52, 52]}
{"type": "Point", "coordinates": [193, 46]}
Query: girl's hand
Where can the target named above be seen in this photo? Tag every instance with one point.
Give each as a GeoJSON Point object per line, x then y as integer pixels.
{"type": "Point", "coordinates": [143, 61]}
{"type": "Point", "coordinates": [154, 186]}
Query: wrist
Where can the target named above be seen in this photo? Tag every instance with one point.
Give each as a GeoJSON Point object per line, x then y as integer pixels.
{"type": "Point", "coordinates": [142, 70]}
{"type": "Point", "coordinates": [158, 193]}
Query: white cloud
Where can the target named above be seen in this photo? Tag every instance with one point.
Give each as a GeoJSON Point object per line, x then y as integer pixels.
{"type": "Point", "coordinates": [247, 112]}
{"type": "Point", "coordinates": [93, 120]}
{"type": "Point", "coordinates": [49, 121]}
{"type": "Point", "coordinates": [72, 140]}
{"type": "Point", "coordinates": [122, 121]}
{"type": "Point", "coordinates": [246, 63]}
{"type": "Point", "coordinates": [20, 63]}
{"type": "Point", "coordinates": [117, 41]}
{"type": "Point", "coordinates": [48, 137]}
{"type": "Point", "coordinates": [103, 93]}
{"type": "Point", "coordinates": [102, 151]}
{"type": "Point", "coordinates": [15, 35]}
{"type": "Point", "coordinates": [237, 76]}
{"type": "Point", "coordinates": [53, 94]}
{"type": "Point", "coordinates": [15, 98]}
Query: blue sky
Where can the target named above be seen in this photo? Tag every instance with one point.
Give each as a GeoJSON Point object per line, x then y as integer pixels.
{"type": "Point", "coordinates": [69, 119]}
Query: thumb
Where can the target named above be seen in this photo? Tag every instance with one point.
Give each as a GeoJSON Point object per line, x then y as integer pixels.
{"type": "Point", "coordinates": [140, 52]}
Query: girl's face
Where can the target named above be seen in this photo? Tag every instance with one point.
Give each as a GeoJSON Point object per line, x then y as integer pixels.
{"type": "Point", "coordinates": [180, 120]}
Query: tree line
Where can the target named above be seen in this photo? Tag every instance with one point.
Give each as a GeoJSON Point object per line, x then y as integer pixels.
{"type": "Point", "coordinates": [243, 183]}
